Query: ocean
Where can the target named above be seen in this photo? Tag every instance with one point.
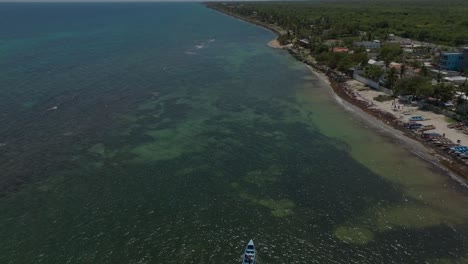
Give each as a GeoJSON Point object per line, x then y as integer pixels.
{"type": "Point", "coordinates": [171, 133]}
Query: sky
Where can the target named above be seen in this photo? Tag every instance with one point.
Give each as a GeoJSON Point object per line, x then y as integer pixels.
{"type": "Point", "coordinates": [59, 1]}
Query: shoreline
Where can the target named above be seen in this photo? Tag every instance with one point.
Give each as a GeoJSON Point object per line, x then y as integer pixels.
{"type": "Point", "coordinates": [456, 170]}
{"type": "Point", "coordinates": [386, 121]}
{"type": "Point", "coordinates": [410, 144]}
{"type": "Point", "coordinates": [276, 29]}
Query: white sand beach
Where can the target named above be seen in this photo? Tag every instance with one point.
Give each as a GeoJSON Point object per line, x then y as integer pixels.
{"type": "Point", "coordinates": [404, 112]}
{"type": "Point", "coordinates": [276, 45]}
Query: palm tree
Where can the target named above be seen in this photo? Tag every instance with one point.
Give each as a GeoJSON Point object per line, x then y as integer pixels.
{"type": "Point", "coordinates": [402, 70]}
{"type": "Point", "coordinates": [424, 71]}
{"type": "Point", "coordinates": [464, 91]}
{"type": "Point", "coordinates": [392, 78]}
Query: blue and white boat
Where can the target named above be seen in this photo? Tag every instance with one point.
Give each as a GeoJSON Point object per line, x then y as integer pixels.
{"type": "Point", "coordinates": [249, 253]}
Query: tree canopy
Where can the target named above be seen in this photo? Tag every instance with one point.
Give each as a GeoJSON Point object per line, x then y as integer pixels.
{"type": "Point", "coordinates": [417, 85]}
{"type": "Point", "coordinates": [390, 52]}
{"type": "Point", "coordinates": [422, 87]}
{"type": "Point", "coordinates": [424, 20]}
{"type": "Point", "coordinates": [373, 72]}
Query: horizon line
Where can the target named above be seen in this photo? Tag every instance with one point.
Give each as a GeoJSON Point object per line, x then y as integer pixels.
{"type": "Point", "coordinates": [137, 1]}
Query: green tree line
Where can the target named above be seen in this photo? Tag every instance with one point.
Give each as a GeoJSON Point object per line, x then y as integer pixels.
{"type": "Point", "coordinates": [440, 22]}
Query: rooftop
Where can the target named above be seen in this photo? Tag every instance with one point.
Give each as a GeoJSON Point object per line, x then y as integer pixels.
{"type": "Point", "coordinates": [451, 53]}
{"type": "Point", "coordinates": [340, 49]}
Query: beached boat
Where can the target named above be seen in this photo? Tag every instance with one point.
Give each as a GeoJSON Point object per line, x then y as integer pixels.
{"type": "Point", "coordinates": [249, 253]}
{"type": "Point", "coordinates": [417, 118]}
{"type": "Point", "coordinates": [428, 127]}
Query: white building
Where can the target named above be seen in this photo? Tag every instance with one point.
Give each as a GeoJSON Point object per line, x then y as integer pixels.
{"type": "Point", "coordinates": [456, 79]}
{"type": "Point", "coordinates": [376, 63]}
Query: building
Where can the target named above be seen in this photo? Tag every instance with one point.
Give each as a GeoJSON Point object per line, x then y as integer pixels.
{"type": "Point", "coordinates": [465, 60]}
{"type": "Point", "coordinates": [368, 44]}
{"type": "Point", "coordinates": [436, 74]}
{"type": "Point", "coordinates": [395, 65]}
{"type": "Point", "coordinates": [417, 50]}
{"type": "Point", "coordinates": [376, 63]}
{"type": "Point", "coordinates": [304, 43]}
{"type": "Point", "coordinates": [340, 49]}
{"type": "Point", "coordinates": [456, 79]}
{"type": "Point", "coordinates": [451, 61]}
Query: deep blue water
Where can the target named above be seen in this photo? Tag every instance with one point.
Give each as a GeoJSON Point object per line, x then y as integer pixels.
{"type": "Point", "coordinates": [170, 133]}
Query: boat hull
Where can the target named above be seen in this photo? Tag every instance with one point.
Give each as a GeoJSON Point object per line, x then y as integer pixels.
{"type": "Point", "coordinates": [250, 253]}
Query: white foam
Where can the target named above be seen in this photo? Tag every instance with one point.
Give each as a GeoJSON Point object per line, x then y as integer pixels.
{"type": "Point", "coordinates": [52, 108]}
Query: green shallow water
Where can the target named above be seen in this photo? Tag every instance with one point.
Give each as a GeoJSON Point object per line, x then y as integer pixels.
{"type": "Point", "coordinates": [178, 140]}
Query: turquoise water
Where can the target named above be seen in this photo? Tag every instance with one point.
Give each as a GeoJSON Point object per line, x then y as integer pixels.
{"type": "Point", "coordinates": [170, 133]}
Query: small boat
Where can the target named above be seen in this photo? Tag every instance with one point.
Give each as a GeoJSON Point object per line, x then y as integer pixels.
{"type": "Point", "coordinates": [417, 118]}
{"type": "Point", "coordinates": [414, 125]}
{"type": "Point", "coordinates": [249, 253]}
{"type": "Point", "coordinates": [428, 127]}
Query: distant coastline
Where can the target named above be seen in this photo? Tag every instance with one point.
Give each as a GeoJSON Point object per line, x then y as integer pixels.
{"type": "Point", "coordinates": [276, 29]}
{"type": "Point", "coordinates": [457, 171]}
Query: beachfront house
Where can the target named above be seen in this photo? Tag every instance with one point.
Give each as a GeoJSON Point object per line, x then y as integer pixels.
{"type": "Point", "coordinates": [451, 61]}
{"type": "Point", "coordinates": [304, 43]}
{"type": "Point", "coordinates": [465, 60]}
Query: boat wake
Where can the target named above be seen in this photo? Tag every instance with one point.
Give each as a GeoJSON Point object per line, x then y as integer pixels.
{"type": "Point", "coordinates": [52, 108]}
{"type": "Point", "coordinates": [199, 46]}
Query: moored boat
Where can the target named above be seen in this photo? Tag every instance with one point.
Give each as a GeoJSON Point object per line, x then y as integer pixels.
{"type": "Point", "coordinates": [249, 253]}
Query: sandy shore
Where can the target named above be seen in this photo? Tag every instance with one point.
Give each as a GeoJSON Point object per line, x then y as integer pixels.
{"type": "Point", "coordinates": [276, 45]}
{"type": "Point", "coordinates": [381, 123]}
{"type": "Point", "coordinates": [358, 95]}
{"type": "Point", "coordinates": [404, 112]}
{"type": "Point", "coordinates": [374, 122]}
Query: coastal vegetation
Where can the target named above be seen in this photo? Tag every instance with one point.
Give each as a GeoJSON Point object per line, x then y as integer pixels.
{"type": "Point", "coordinates": [423, 20]}
{"type": "Point", "coordinates": [422, 87]}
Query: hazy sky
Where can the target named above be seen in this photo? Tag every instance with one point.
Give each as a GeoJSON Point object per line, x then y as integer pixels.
{"type": "Point", "coordinates": [128, 0]}
{"type": "Point", "coordinates": [108, 0]}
